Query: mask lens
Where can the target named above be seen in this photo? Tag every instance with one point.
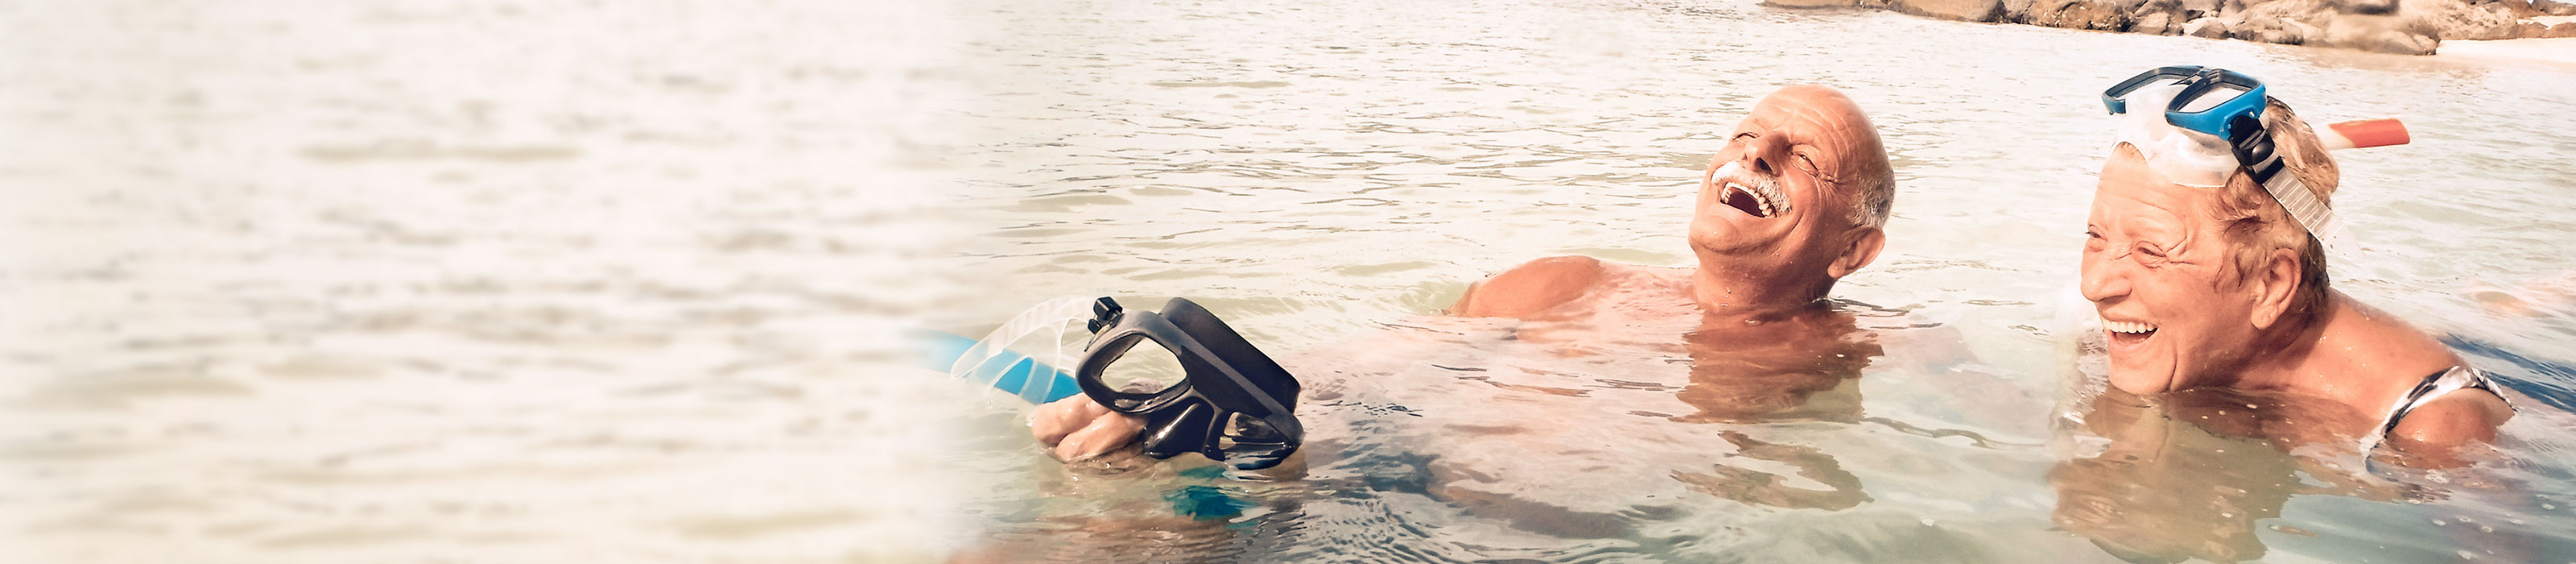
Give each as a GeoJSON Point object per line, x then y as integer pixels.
{"type": "Point", "coordinates": [2157, 82]}
{"type": "Point", "coordinates": [1146, 368]}
{"type": "Point", "coordinates": [2218, 95]}
{"type": "Point", "coordinates": [2116, 98]}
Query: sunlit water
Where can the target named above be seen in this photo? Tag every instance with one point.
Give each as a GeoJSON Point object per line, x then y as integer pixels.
{"type": "Point", "coordinates": [1329, 174]}
{"type": "Point", "coordinates": [495, 281]}
{"type": "Point", "coordinates": [572, 282]}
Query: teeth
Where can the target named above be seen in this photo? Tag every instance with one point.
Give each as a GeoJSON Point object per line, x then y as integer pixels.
{"type": "Point", "coordinates": [1759, 199]}
{"type": "Point", "coordinates": [2127, 326]}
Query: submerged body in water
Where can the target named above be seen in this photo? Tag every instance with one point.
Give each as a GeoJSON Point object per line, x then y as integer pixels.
{"type": "Point", "coordinates": [2208, 472]}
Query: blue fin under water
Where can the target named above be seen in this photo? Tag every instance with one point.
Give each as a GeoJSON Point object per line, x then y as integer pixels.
{"type": "Point", "coordinates": [1206, 503]}
{"type": "Point", "coordinates": [939, 351]}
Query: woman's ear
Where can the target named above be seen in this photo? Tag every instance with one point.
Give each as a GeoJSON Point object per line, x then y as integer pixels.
{"type": "Point", "coordinates": [2276, 286]}
{"type": "Point", "coordinates": [1864, 248]}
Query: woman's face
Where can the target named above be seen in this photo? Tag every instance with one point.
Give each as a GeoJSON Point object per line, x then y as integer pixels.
{"type": "Point", "coordinates": [2156, 268]}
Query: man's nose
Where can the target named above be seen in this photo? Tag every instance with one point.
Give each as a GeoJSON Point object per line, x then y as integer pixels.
{"type": "Point", "coordinates": [2104, 281]}
{"type": "Point", "coordinates": [1759, 153]}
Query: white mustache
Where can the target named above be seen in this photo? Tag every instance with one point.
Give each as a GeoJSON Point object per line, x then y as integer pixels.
{"type": "Point", "coordinates": [1764, 187]}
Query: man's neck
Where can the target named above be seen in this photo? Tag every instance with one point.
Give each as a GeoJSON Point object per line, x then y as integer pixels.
{"type": "Point", "coordinates": [1733, 293]}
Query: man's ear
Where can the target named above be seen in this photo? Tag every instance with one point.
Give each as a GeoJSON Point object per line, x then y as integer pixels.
{"type": "Point", "coordinates": [1864, 248]}
{"type": "Point", "coordinates": [2276, 284]}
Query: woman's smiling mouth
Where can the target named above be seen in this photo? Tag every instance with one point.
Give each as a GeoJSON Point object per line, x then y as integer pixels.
{"type": "Point", "coordinates": [2125, 334]}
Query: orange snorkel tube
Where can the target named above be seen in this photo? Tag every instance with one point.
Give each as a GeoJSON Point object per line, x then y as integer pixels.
{"type": "Point", "coordinates": [2363, 134]}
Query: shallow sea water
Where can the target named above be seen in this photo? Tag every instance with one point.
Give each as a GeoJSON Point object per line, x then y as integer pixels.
{"type": "Point", "coordinates": [547, 281]}
{"type": "Point", "coordinates": [482, 281]}
{"type": "Point", "coordinates": [1329, 174]}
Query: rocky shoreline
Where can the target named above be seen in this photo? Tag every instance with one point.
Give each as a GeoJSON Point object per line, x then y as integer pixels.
{"type": "Point", "coordinates": [2413, 27]}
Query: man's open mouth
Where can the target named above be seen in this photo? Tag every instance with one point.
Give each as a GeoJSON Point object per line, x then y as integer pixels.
{"type": "Point", "coordinates": [1758, 203]}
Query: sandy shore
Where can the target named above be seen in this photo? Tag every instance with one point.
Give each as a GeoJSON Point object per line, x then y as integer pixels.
{"type": "Point", "coordinates": [2556, 52]}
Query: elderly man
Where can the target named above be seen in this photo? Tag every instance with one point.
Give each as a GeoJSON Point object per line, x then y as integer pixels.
{"type": "Point", "coordinates": [1792, 203]}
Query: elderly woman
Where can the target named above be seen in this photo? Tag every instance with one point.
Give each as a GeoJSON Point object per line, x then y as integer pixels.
{"type": "Point", "coordinates": [2206, 260]}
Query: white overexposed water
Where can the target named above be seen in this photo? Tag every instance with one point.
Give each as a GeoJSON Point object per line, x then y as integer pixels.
{"type": "Point", "coordinates": [602, 281]}
{"type": "Point", "coordinates": [470, 281]}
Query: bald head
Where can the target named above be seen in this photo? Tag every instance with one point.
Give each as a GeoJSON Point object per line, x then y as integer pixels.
{"type": "Point", "coordinates": [1793, 202]}
{"type": "Point", "coordinates": [1860, 172]}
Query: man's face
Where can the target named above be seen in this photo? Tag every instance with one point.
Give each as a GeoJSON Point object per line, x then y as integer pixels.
{"type": "Point", "coordinates": [2155, 267]}
{"type": "Point", "coordinates": [1781, 191]}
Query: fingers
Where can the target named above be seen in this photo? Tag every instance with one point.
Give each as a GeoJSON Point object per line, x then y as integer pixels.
{"type": "Point", "coordinates": [1051, 422]}
{"type": "Point", "coordinates": [1077, 428]}
{"type": "Point", "coordinates": [1107, 432]}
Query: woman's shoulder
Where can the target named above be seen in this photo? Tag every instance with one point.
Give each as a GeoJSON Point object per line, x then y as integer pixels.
{"type": "Point", "coordinates": [2366, 341]}
{"type": "Point", "coordinates": [2395, 358]}
{"type": "Point", "coordinates": [2462, 417]}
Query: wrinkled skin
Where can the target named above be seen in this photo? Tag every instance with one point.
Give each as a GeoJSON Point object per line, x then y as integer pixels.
{"type": "Point", "coordinates": [1821, 147]}
{"type": "Point", "coordinates": [2153, 256]}
{"type": "Point", "coordinates": [2156, 259]}
{"type": "Point", "coordinates": [1753, 269]}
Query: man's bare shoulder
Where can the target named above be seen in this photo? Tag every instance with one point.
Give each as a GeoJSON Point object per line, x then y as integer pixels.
{"type": "Point", "coordinates": [1532, 288]}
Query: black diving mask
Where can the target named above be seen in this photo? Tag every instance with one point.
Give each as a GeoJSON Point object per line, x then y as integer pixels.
{"type": "Point", "coordinates": [1232, 404]}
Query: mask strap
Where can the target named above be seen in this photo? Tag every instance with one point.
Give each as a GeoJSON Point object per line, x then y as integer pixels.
{"type": "Point", "coordinates": [2261, 157]}
{"type": "Point", "coordinates": [2310, 213]}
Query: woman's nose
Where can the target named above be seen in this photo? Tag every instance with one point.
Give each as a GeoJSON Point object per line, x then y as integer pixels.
{"type": "Point", "coordinates": [2102, 281]}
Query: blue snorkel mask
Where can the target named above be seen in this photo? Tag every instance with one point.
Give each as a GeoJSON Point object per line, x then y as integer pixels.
{"type": "Point", "coordinates": [2212, 127]}
{"type": "Point", "coordinates": [2211, 99]}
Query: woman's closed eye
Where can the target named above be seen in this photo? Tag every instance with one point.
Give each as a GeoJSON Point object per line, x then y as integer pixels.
{"type": "Point", "coordinates": [2151, 255]}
